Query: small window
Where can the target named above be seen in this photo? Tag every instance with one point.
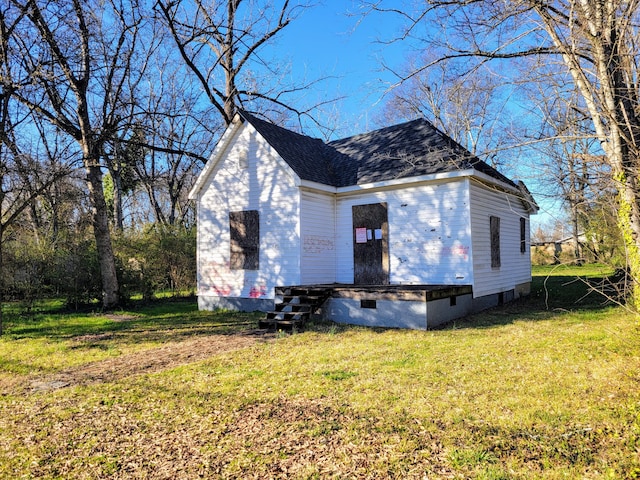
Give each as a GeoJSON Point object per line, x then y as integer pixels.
{"type": "Point", "coordinates": [523, 237]}
{"type": "Point", "coordinates": [368, 304]}
{"type": "Point", "coordinates": [245, 240]}
{"type": "Point", "coordinates": [494, 228]}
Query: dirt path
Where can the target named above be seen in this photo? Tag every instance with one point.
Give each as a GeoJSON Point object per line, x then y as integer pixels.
{"type": "Point", "coordinates": [148, 361]}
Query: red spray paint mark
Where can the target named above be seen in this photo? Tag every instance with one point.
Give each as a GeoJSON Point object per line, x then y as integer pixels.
{"type": "Point", "coordinates": [223, 291]}
{"type": "Point", "coordinates": [257, 291]}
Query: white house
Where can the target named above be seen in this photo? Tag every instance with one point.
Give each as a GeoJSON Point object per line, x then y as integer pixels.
{"type": "Point", "coordinates": [403, 225]}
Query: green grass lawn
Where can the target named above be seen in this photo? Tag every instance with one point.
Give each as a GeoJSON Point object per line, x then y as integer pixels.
{"type": "Point", "coordinates": [547, 388]}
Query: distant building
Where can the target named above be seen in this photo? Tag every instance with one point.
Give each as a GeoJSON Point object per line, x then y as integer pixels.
{"type": "Point", "coordinates": [552, 252]}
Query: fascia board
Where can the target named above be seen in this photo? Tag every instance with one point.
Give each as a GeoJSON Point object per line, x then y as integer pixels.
{"type": "Point", "coordinates": [526, 199]}
{"type": "Point", "coordinates": [317, 187]}
{"type": "Point", "coordinates": [524, 196]}
{"type": "Point", "coordinates": [484, 178]}
{"type": "Point", "coordinates": [407, 181]}
{"type": "Point", "coordinates": [387, 184]}
{"type": "Point", "coordinates": [403, 182]}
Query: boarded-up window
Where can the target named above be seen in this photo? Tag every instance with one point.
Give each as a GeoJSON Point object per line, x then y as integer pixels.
{"type": "Point", "coordinates": [523, 239]}
{"type": "Point", "coordinates": [494, 228]}
{"type": "Point", "coordinates": [245, 240]}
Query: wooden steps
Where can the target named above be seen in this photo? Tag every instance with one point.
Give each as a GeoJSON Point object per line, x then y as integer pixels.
{"type": "Point", "coordinates": [293, 306]}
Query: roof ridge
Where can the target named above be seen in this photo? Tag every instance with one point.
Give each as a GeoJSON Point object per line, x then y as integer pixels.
{"type": "Point", "coordinates": [377, 130]}
{"type": "Point", "coordinates": [408, 149]}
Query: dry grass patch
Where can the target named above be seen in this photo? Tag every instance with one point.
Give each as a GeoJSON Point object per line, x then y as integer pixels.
{"type": "Point", "coordinates": [146, 361]}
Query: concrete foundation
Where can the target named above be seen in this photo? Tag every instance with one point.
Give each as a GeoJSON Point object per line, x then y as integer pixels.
{"type": "Point", "coordinates": [417, 315]}
{"type": "Point", "coordinates": [418, 307]}
{"type": "Point", "coordinates": [235, 303]}
{"type": "Point", "coordinates": [415, 309]}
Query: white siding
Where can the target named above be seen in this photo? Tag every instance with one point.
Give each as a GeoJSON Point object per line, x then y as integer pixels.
{"type": "Point", "coordinates": [429, 234]}
{"type": "Point", "coordinates": [318, 238]}
{"type": "Point", "coordinates": [266, 185]}
{"type": "Point", "coordinates": [438, 231]}
{"type": "Point", "coordinates": [515, 266]}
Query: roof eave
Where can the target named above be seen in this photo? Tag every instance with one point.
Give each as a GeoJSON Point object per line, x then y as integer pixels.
{"type": "Point", "coordinates": [528, 200]}
{"type": "Point", "coordinates": [405, 181]}
{"type": "Point", "coordinates": [519, 190]}
{"type": "Point", "coordinates": [317, 187]}
{"type": "Point", "coordinates": [397, 182]}
{"type": "Point", "coordinates": [495, 181]}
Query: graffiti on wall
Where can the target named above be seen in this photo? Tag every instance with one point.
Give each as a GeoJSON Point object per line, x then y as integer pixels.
{"type": "Point", "coordinates": [257, 291]}
{"type": "Point", "coordinates": [317, 244]}
{"type": "Point", "coordinates": [455, 251]}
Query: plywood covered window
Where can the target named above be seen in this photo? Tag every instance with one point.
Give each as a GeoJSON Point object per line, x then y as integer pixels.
{"type": "Point", "coordinates": [523, 236]}
{"type": "Point", "coordinates": [494, 228]}
{"type": "Point", "coordinates": [245, 240]}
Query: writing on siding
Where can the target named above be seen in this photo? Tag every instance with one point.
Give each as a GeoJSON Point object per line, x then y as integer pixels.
{"type": "Point", "coordinates": [435, 251]}
{"type": "Point", "coordinates": [218, 290]}
{"type": "Point", "coordinates": [255, 291]}
{"type": "Point", "coordinates": [223, 291]}
{"type": "Point", "coordinates": [317, 244]}
{"type": "Point", "coordinates": [455, 251]}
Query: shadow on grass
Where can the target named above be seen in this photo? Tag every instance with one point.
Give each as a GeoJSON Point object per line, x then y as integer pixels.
{"type": "Point", "coordinates": [169, 321]}
{"type": "Point", "coordinates": [551, 296]}
{"type": "Point", "coordinates": [160, 321]}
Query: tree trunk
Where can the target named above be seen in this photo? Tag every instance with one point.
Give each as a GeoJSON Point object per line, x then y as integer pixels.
{"type": "Point", "coordinates": [110, 294]}
{"type": "Point", "coordinates": [1, 278]}
{"type": "Point", "coordinates": [577, 251]}
{"type": "Point", "coordinates": [118, 215]}
{"type": "Point", "coordinates": [629, 224]}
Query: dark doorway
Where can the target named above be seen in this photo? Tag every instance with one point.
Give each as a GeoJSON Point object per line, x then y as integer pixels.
{"type": "Point", "coordinates": [370, 244]}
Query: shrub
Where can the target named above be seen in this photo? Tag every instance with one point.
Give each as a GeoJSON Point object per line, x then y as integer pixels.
{"type": "Point", "coordinates": [158, 258]}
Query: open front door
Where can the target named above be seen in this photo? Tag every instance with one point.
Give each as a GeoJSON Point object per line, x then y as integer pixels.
{"type": "Point", "coordinates": [370, 244]}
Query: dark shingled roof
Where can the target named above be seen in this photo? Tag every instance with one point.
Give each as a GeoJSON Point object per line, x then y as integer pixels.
{"type": "Point", "coordinates": [409, 149]}
{"type": "Point", "coordinates": [310, 158]}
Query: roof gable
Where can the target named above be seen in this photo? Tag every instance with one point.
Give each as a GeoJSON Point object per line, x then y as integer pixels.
{"type": "Point", "coordinates": [410, 149]}
{"type": "Point", "coordinates": [310, 158]}
{"type": "Point", "coordinates": [215, 157]}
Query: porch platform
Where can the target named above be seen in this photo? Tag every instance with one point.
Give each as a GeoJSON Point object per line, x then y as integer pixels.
{"type": "Point", "coordinates": [424, 293]}
{"type": "Point", "coordinates": [396, 306]}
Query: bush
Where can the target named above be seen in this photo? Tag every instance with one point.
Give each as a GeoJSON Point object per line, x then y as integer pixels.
{"type": "Point", "coordinates": [159, 258]}
{"type": "Point", "coordinates": [35, 270]}
{"type": "Point", "coordinates": [76, 273]}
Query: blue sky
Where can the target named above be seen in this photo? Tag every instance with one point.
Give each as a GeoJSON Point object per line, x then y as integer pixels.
{"type": "Point", "coordinates": [332, 39]}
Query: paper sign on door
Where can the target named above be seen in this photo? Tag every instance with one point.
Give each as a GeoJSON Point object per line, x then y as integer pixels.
{"type": "Point", "coordinates": [361, 235]}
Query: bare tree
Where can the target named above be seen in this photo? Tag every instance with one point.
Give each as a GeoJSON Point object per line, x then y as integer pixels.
{"type": "Point", "coordinates": [222, 44]}
{"type": "Point", "coordinates": [568, 164]}
{"type": "Point", "coordinates": [467, 106]}
{"type": "Point", "coordinates": [596, 41]}
{"type": "Point", "coordinates": [78, 59]}
{"type": "Point", "coordinates": [23, 178]}
{"type": "Point", "coordinates": [174, 137]}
